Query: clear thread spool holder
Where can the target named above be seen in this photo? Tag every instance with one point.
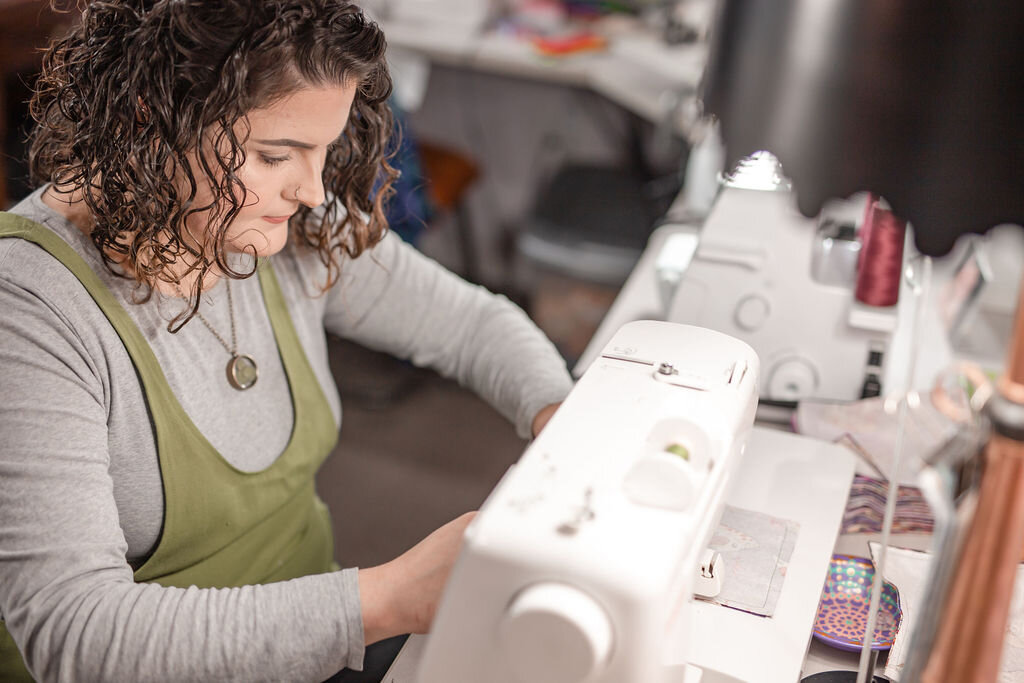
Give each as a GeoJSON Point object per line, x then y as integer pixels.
{"type": "Point", "coordinates": [917, 276]}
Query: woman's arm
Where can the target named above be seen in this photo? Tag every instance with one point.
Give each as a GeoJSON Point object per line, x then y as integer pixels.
{"type": "Point", "coordinates": [66, 590]}
{"type": "Point", "coordinates": [394, 299]}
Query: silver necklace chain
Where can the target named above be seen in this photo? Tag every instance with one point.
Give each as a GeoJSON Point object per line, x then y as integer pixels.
{"type": "Point", "coordinates": [233, 349]}
{"type": "Point", "coordinates": [242, 370]}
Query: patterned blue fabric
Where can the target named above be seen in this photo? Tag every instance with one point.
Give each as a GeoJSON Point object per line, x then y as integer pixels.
{"type": "Point", "coordinates": [409, 208]}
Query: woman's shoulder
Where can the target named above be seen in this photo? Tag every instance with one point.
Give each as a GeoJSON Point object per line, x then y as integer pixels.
{"type": "Point", "coordinates": [42, 298]}
{"type": "Point", "coordinates": [34, 269]}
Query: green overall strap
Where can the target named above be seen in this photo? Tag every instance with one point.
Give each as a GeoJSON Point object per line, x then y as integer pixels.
{"type": "Point", "coordinates": [222, 527]}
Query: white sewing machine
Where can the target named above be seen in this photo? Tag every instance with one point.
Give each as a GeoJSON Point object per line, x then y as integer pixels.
{"type": "Point", "coordinates": [582, 563]}
{"type": "Point", "coordinates": [766, 274]}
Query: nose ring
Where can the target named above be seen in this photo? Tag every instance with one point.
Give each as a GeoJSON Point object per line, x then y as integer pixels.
{"type": "Point", "coordinates": [297, 192]}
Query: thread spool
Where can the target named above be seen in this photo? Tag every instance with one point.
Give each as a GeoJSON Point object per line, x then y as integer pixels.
{"type": "Point", "coordinates": [865, 229]}
{"type": "Point", "coordinates": [881, 257]}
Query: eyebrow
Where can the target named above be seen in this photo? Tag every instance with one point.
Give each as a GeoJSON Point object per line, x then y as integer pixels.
{"type": "Point", "coordinates": [287, 142]}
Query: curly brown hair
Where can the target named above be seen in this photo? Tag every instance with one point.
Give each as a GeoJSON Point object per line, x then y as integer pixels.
{"type": "Point", "coordinates": [138, 84]}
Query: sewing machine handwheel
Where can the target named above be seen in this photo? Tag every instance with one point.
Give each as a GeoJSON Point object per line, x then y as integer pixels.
{"type": "Point", "coordinates": [554, 633]}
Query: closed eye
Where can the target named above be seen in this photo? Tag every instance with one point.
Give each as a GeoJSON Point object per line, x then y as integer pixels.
{"type": "Point", "coordinates": [270, 160]}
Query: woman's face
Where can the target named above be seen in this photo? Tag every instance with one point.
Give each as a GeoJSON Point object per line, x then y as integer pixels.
{"type": "Point", "coordinates": [285, 152]}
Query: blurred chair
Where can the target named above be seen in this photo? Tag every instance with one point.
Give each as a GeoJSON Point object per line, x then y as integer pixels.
{"type": "Point", "coordinates": [592, 222]}
{"type": "Point", "coordinates": [449, 175]}
{"type": "Point", "coordinates": [586, 232]}
{"type": "Point", "coordinates": [432, 184]}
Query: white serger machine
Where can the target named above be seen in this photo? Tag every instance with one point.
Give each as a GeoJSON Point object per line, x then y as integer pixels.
{"type": "Point", "coordinates": [784, 283]}
{"type": "Point", "coordinates": [582, 564]}
{"type": "Point", "coordinates": [758, 270]}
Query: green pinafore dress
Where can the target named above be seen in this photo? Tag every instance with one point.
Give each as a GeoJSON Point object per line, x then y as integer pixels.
{"type": "Point", "coordinates": [222, 527]}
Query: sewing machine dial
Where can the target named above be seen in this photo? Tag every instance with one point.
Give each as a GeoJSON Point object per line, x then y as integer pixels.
{"type": "Point", "coordinates": [547, 613]}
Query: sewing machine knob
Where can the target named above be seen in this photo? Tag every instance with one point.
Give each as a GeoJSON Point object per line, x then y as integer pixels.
{"type": "Point", "coordinates": [663, 480]}
{"type": "Point", "coordinates": [792, 379]}
{"type": "Point", "coordinates": [554, 633]}
{"type": "Point", "coordinates": [752, 312]}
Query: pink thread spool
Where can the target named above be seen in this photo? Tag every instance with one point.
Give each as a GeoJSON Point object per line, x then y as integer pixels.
{"type": "Point", "coordinates": [881, 257]}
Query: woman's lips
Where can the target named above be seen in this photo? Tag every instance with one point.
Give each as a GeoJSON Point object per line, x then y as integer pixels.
{"type": "Point", "coordinates": [276, 219]}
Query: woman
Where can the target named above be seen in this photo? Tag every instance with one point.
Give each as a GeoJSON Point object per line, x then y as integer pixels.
{"type": "Point", "coordinates": [206, 210]}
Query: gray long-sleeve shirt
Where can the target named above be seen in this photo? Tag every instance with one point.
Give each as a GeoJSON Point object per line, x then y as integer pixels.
{"type": "Point", "coordinates": [80, 493]}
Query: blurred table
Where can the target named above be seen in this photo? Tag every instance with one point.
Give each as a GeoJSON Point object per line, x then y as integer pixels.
{"type": "Point", "coordinates": [637, 71]}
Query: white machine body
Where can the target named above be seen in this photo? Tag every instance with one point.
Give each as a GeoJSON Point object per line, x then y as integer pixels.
{"type": "Point", "coordinates": [582, 564]}
{"type": "Point", "coordinates": [764, 273]}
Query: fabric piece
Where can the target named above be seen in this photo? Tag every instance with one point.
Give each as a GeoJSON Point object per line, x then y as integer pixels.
{"type": "Point", "coordinates": [870, 431]}
{"type": "Point", "coordinates": [756, 549]}
{"type": "Point", "coordinates": [908, 571]}
{"type": "Point", "coordinates": [409, 210]}
{"type": "Point", "coordinates": [865, 509]}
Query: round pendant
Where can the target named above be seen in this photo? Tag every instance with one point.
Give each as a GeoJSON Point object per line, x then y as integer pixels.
{"type": "Point", "coordinates": [242, 372]}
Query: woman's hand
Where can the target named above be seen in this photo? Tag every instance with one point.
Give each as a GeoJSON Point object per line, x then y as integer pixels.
{"type": "Point", "coordinates": [402, 595]}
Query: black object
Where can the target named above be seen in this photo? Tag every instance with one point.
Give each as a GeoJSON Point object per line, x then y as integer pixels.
{"type": "Point", "coordinates": [919, 101]}
{"type": "Point", "coordinates": [376, 662]}
{"type": "Point", "coordinates": [873, 375]}
{"type": "Point", "coordinates": [872, 386]}
{"type": "Point", "coordinates": [593, 222]}
{"type": "Point", "coordinates": [838, 677]}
